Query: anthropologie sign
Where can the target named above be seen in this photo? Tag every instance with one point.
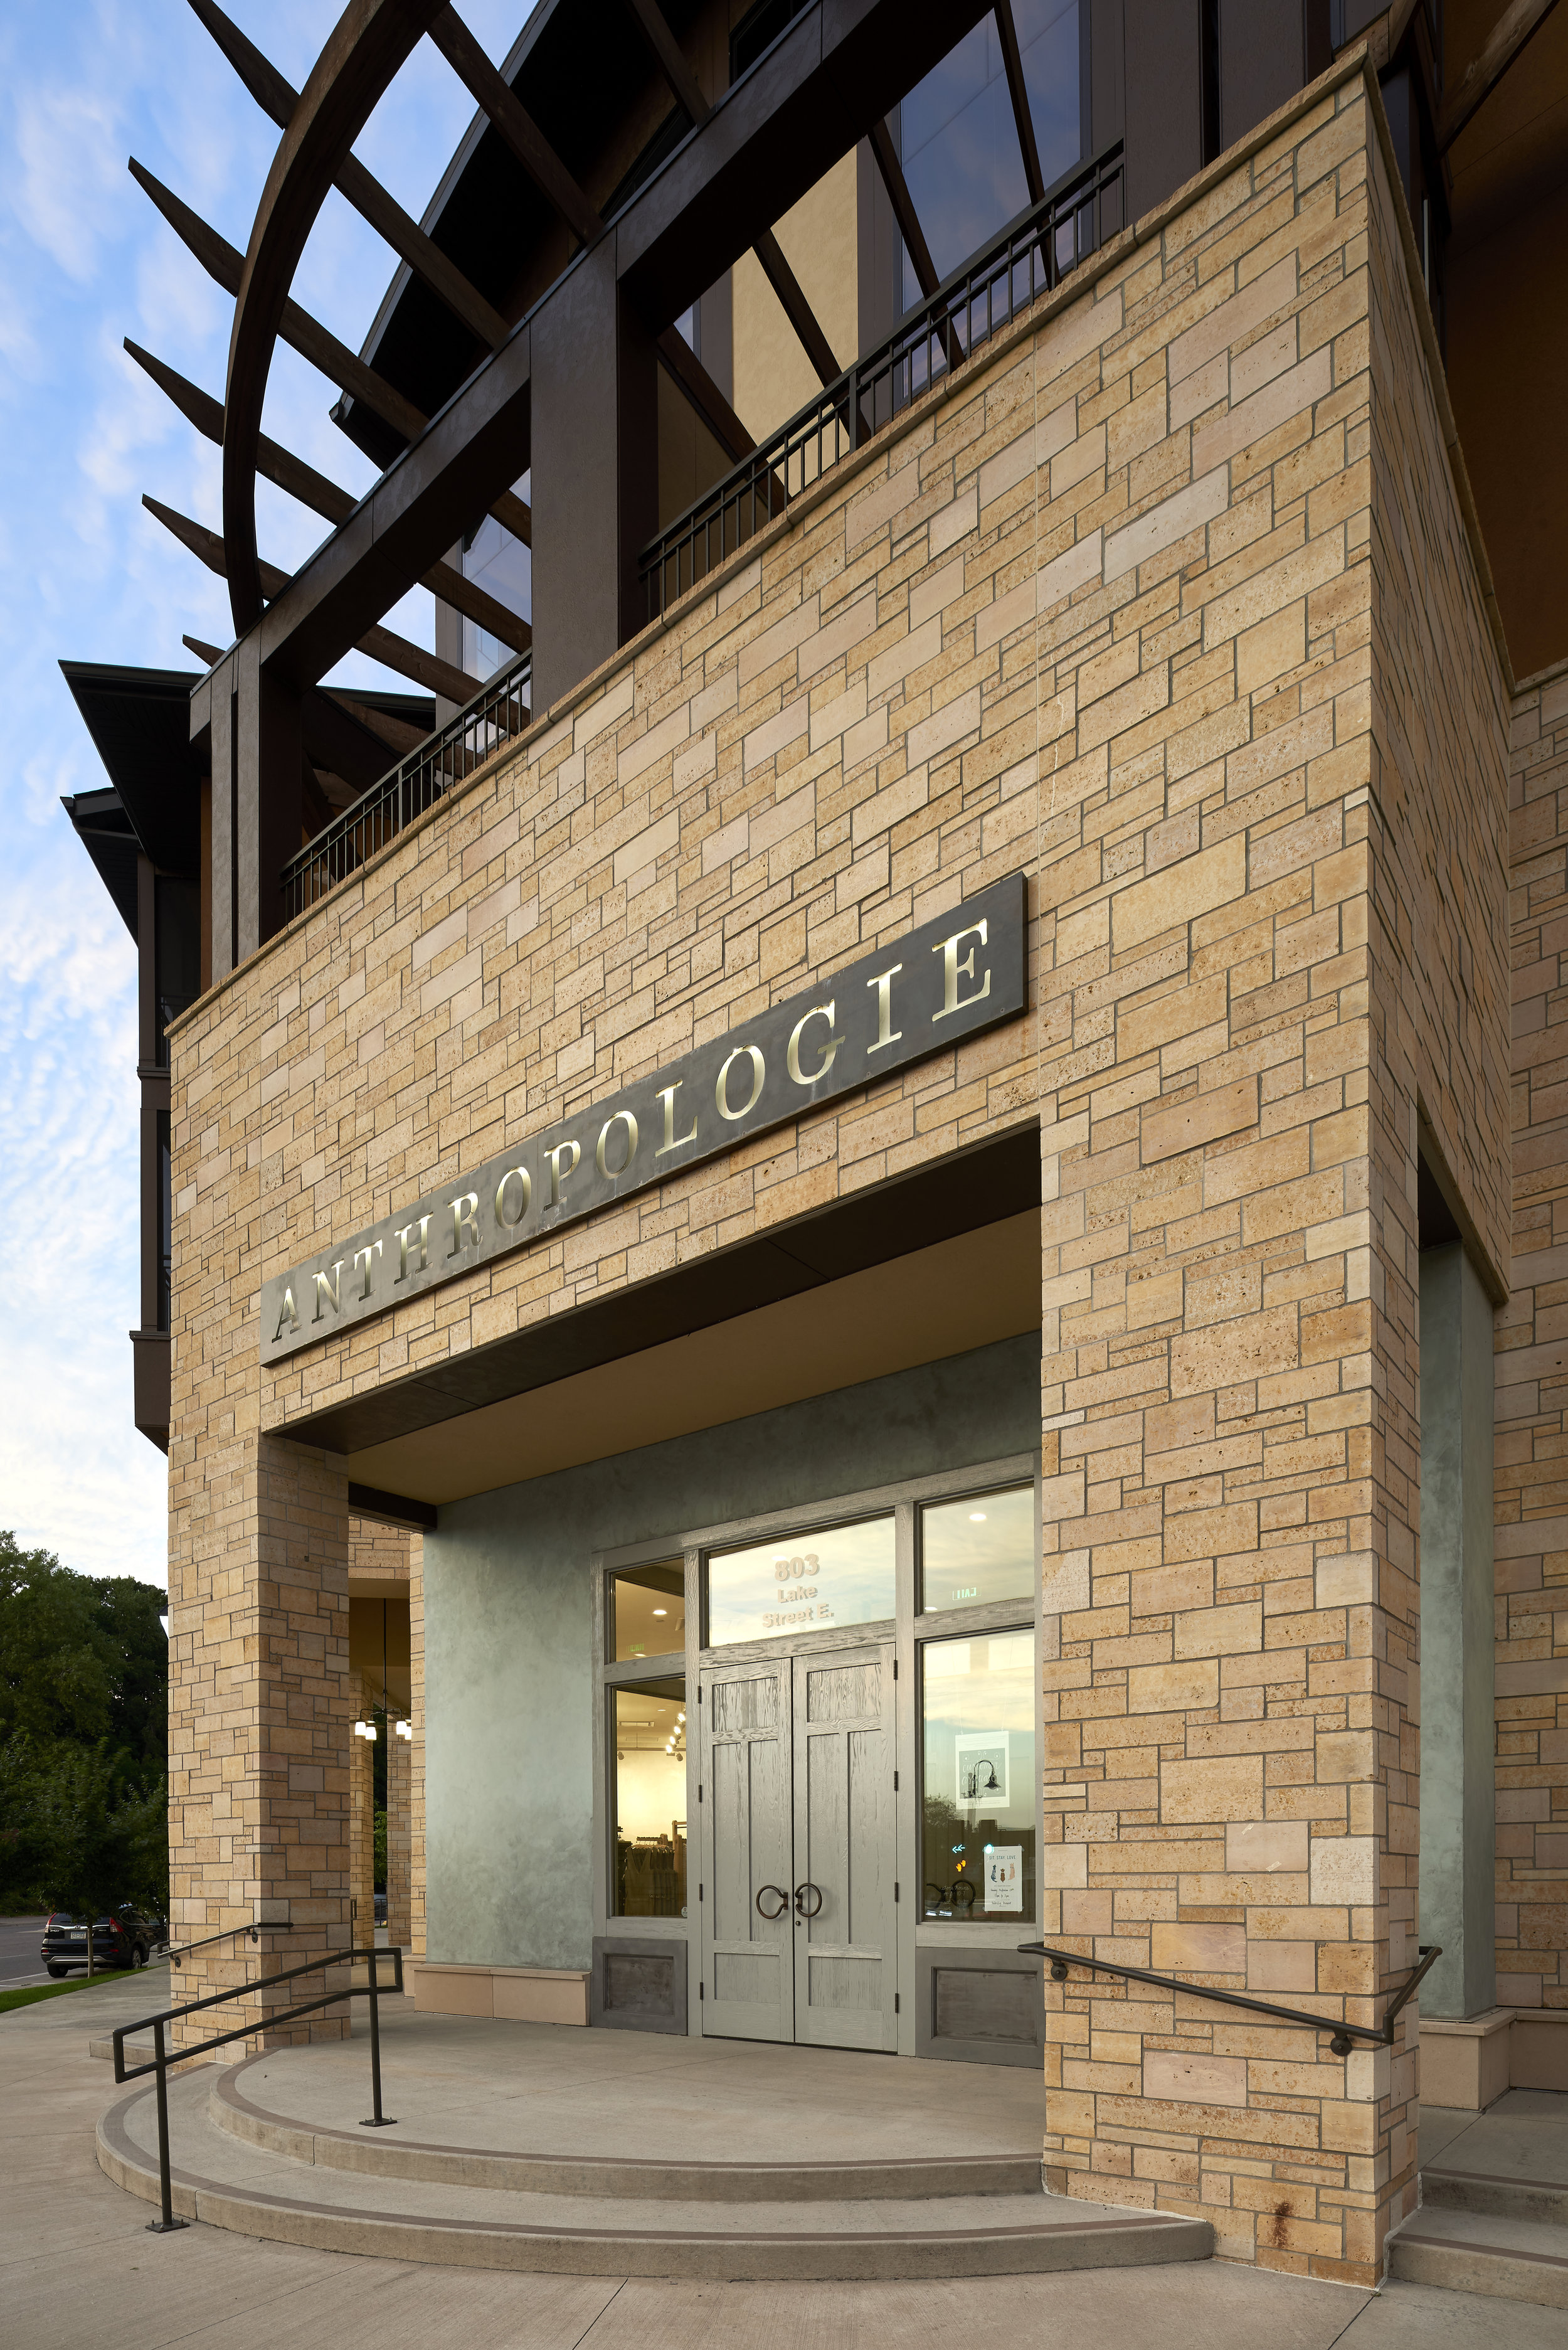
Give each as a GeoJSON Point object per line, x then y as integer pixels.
{"type": "Point", "coordinates": [951, 978]}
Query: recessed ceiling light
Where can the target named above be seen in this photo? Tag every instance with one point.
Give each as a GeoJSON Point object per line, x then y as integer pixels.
{"type": "Point", "coordinates": [661, 1611]}
{"type": "Point", "coordinates": [977, 1517]}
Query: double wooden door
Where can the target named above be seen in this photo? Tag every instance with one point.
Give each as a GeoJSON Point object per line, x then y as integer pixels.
{"type": "Point", "coordinates": [798, 1848]}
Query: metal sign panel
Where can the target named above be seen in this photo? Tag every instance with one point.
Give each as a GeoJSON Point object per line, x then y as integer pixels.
{"type": "Point", "coordinates": [953, 977]}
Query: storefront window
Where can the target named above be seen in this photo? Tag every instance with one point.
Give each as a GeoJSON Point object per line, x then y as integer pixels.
{"type": "Point", "coordinates": [804, 1583]}
{"type": "Point", "coordinates": [978, 1550]}
{"type": "Point", "coordinates": [647, 1611]}
{"type": "Point", "coordinates": [978, 1836]}
{"type": "Point", "coordinates": [647, 1794]}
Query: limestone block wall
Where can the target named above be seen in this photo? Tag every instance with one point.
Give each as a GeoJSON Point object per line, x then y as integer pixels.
{"type": "Point", "coordinates": [1125, 605]}
{"type": "Point", "coordinates": [1273, 935]}
{"type": "Point", "coordinates": [1532, 1534]}
{"type": "Point", "coordinates": [259, 1703]}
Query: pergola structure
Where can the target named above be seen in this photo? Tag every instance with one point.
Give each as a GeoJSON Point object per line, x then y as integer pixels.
{"type": "Point", "coordinates": [564, 382]}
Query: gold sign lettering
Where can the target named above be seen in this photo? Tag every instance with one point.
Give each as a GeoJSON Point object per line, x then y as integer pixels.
{"type": "Point", "coordinates": [673, 1141]}
{"type": "Point", "coordinates": [558, 1173]}
{"type": "Point", "coordinates": [513, 1175]}
{"type": "Point", "coordinates": [830, 1050]}
{"type": "Point", "coordinates": [328, 1290]}
{"type": "Point", "coordinates": [423, 1229]}
{"type": "Point", "coordinates": [464, 1212]}
{"type": "Point", "coordinates": [722, 1090]}
{"type": "Point", "coordinates": [622, 1117]}
{"type": "Point", "coordinates": [503, 1204]}
{"type": "Point", "coordinates": [885, 1033]}
{"type": "Point", "coordinates": [952, 970]}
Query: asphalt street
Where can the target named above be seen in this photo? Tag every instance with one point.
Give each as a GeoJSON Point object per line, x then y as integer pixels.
{"type": "Point", "coordinates": [19, 1952]}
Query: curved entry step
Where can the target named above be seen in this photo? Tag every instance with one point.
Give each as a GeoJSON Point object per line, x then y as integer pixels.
{"type": "Point", "coordinates": [235, 2182]}
{"type": "Point", "coordinates": [235, 2107]}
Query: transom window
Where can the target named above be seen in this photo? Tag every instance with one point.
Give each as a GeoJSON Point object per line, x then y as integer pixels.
{"type": "Point", "coordinates": [978, 1550]}
{"type": "Point", "coordinates": [812, 1582]}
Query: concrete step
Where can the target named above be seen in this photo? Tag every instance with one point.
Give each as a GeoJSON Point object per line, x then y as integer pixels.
{"type": "Point", "coordinates": [1483, 2252]}
{"type": "Point", "coordinates": [1511, 2197]}
{"type": "Point", "coordinates": [387, 2154]}
{"type": "Point", "coordinates": [233, 2182]}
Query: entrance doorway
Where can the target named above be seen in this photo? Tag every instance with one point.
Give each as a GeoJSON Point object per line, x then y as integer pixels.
{"type": "Point", "coordinates": [797, 1786]}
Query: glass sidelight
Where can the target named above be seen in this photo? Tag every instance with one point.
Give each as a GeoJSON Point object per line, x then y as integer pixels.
{"type": "Point", "coordinates": [977, 1823]}
{"type": "Point", "coordinates": [647, 1797]}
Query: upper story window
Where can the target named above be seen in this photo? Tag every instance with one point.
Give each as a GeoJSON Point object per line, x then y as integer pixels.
{"type": "Point", "coordinates": [177, 955]}
{"type": "Point", "coordinates": [504, 567]}
{"type": "Point", "coordinates": [959, 142]}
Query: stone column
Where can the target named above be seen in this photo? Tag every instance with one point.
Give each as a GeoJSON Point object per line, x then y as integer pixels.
{"type": "Point", "coordinates": [416, 1943]}
{"type": "Point", "coordinates": [398, 1839]}
{"type": "Point", "coordinates": [1458, 1893]}
{"type": "Point", "coordinates": [259, 1706]}
{"type": "Point", "coordinates": [362, 1825]}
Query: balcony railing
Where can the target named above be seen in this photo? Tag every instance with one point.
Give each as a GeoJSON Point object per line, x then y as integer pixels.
{"type": "Point", "coordinates": [1071, 221]}
{"type": "Point", "coordinates": [497, 712]}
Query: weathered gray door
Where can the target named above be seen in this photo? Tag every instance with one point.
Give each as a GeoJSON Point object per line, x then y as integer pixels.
{"type": "Point", "coordinates": [846, 1969]}
{"type": "Point", "coordinates": [748, 1968]}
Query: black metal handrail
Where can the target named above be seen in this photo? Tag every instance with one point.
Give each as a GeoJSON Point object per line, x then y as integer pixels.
{"type": "Point", "coordinates": [183, 1950]}
{"type": "Point", "coordinates": [161, 2059]}
{"type": "Point", "coordinates": [1381, 2036]}
{"type": "Point", "coordinates": [497, 712]}
{"type": "Point", "coordinates": [1030, 256]}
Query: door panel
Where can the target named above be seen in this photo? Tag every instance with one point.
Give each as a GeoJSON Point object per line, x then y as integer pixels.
{"type": "Point", "coordinates": [747, 1962]}
{"type": "Point", "coordinates": [845, 1963]}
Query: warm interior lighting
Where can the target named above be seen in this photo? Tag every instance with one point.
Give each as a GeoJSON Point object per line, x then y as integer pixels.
{"type": "Point", "coordinates": [977, 1517]}
{"type": "Point", "coordinates": [661, 1611]}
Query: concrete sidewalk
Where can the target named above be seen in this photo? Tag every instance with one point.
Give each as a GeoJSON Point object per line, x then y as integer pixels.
{"type": "Point", "coordinates": [76, 2261]}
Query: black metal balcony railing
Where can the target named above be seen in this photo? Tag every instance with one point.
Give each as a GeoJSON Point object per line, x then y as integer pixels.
{"type": "Point", "coordinates": [1034, 253]}
{"type": "Point", "coordinates": [497, 712]}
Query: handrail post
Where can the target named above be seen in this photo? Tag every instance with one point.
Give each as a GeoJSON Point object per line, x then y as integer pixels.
{"type": "Point", "coordinates": [377, 2120]}
{"type": "Point", "coordinates": [166, 2224]}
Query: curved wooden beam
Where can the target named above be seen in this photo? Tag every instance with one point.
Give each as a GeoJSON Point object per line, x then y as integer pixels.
{"type": "Point", "coordinates": [311, 341]}
{"type": "Point", "coordinates": [278, 97]}
{"type": "Point", "coordinates": [366, 48]}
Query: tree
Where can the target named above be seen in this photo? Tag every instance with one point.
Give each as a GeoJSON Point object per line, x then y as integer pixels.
{"type": "Point", "coordinates": [83, 1729]}
{"type": "Point", "coordinates": [82, 1658]}
{"type": "Point", "coordinates": [79, 1832]}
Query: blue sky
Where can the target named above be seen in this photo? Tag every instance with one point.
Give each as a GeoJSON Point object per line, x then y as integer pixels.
{"type": "Point", "coordinates": [86, 574]}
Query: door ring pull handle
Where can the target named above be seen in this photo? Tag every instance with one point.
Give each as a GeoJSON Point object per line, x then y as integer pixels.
{"type": "Point", "coordinates": [783, 1902]}
{"type": "Point", "coordinates": [800, 1893]}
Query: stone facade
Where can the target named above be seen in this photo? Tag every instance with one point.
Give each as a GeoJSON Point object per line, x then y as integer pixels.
{"type": "Point", "coordinates": [1167, 599]}
{"type": "Point", "coordinates": [1531, 1537]}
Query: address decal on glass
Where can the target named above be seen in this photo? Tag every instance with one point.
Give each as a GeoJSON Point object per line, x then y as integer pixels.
{"type": "Point", "coordinates": [951, 978]}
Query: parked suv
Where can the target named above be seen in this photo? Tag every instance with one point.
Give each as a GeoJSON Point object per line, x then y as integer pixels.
{"type": "Point", "coordinates": [120, 1938]}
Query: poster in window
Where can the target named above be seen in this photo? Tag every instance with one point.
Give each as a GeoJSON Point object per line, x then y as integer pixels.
{"type": "Point", "coordinates": [1004, 1878]}
{"type": "Point", "coordinates": [980, 1768]}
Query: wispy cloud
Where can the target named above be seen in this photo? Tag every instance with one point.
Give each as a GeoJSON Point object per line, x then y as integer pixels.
{"type": "Point", "coordinates": [86, 574]}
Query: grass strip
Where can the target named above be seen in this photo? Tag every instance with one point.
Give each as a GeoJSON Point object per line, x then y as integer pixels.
{"type": "Point", "coordinates": [26, 1996]}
